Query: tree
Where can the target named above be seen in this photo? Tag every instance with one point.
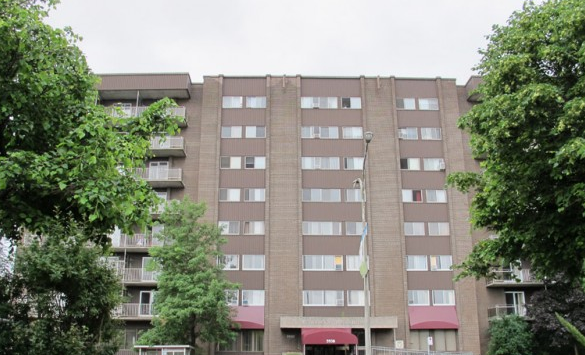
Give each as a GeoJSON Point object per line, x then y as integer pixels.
{"type": "Point", "coordinates": [510, 335]}
{"type": "Point", "coordinates": [58, 149]}
{"type": "Point", "coordinates": [528, 130]}
{"type": "Point", "coordinates": [59, 296]}
{"type": "Point", "coordinates": [190, 302]}
{"type": "Point", "coordinates": [559, 297]}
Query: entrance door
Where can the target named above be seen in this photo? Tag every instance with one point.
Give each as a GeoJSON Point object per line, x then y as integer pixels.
{"type": "Point", "coordinates": [329, 350]}
{"type": "Point", "coordinates": [146, 301]}
{"type": "Point", "coordinates": [159, 170]}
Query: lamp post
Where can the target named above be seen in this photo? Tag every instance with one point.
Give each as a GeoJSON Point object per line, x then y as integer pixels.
{"type": "Point", "coordinates": [364, 267]}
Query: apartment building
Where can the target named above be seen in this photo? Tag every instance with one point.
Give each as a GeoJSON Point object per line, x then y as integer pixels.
{"type": "Point", "coordinates": [275, 158]}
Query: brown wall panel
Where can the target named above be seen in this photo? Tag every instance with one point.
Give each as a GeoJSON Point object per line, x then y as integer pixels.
{"type": "Point", "coordinates": [244, 244]}
{"type": "Point", "coordinates": [341, 87]}
{"type": "Point", "coordinates": [342, 179]}
{"type": "Point", "coordinates": [243, 117]}
{"type": "Point", "coordinates": [241, 178]}
{"type": "Point", "coordinates": [422, 149]}
{"type": "Point", "coordinates": [249, 280]}
{"type": "Point", "coordinates": [423, 88]}
{"type": "Point", "coordinates": [243, 147]}
{"type": "Point", "coordinates": [333, 311]}
{"type": "Point", "coordinates": [244, 86]}
{"type": "Point", "coordinates": [414, 118]}
{"type": "Point", "coordinates": [241, 211]}
{"type": "Point", "coordinates": [430, 280]}
{"type": "Point", "coordinates": [321, 211]}
{"type": "Point", "coordinates": [423, 179]}
{"type": "Point", "coordinates": [341, 245]}
{"type": "Point", "coordinates": [332, 147]}
{"type": "Point", "coordinates": [435, 245]}
{"type": "Point", "coordinates": [331, 117]}
{"type": "Point", "coordinates": [332, 280]}
{"type": "Point", "coordinates": [426, 212]}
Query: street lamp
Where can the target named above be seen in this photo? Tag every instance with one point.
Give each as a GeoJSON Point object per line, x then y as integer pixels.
{"type": "Point", "coordinates": [364, 267]}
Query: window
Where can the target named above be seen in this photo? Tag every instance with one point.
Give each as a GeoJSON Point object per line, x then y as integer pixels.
{"type": "Point", "coordinates": [436, 196]}
{"type": "Point", "coordinates": [428, 104]}
{"type": "Point", "coordinates": [321, 228]}
{"type": "Point", "coordinates": [230, 163]}
{"type": "Point", "coordinates": [430, 133]}
{"type": "Point", "coordinates": [229, 262]}
{"type": "Point", "coordinates": [232, 102]}
{"type": "Point", "coordinates": [411, 195]}
{"type": "Point", "coordinates": [318, 102]}
{"type": "Point", "coordinates": [438, 228]}
{"type": "Point", "coordinates": [418, 298]}
{"type": "Point", "coordinates": [255, 162]}
{"type": "Point", "coordinates": [355, 298]}
{"type": "Point", "coordinates": [231, 297]}
{"type": "Point", "coordinates": [353, 195]}
{"type": "Point", "coordinates": [254, 195]}
{"type": "Point", "coordinates": [255, 132]}
{"type": "Point", "coordinates": [353, 163]}
{"type": "Point", "coordinates": [515, 303]}
{"type": "Point", "coordinates": [405, 104]}
{"type": "Point", "coordinates": [322, 263]}
{"type": "Point", "coordinates": [254, 227]}
{"type": "Point", "coordinates": [352, 262]}
{"type": "Point", "coordinates": [416, 263]}
{"type": "Point", "coordinates": [441, 262]}
{"type": "Point", "coordinates": [353, 228]}
{"type": "Point", "coordinates": [443, 297]}
{"type": "Point", "coordinates": [256, 101]}
{"type": "Point", "coordinates": [229, 195]}
{"type": "Point", "coordinates": [433, 164]}
{"type": "Point", "coordinates": [408, 133]}
{"type": "Point", "coordinates": [323, 298]}
{"type": "Point", "coordinates": [351, 102]}
{"type": "Point", "coordinates": [252, 297]}
{"type": "Point", "coordinates": [229, 227]}
{"type": "Point", "coordinates": [252, 340]}
{"type": "Point", "coordinates": [252, 262]}
{"type": "Point", "coordinates": [353, 132]}
{"type": "Point", "coordinates": [319, 132]}
{"type": "Point", "coordinates": [320, 163]}
{"type": "Point", "coordinates": [410, 163]}
{"type": "Point", "coordinates": [414, 228]}
{"type": "Point", "coordinates": [231, 132]}
{"type": "Point", "coordinates": [321, 195]}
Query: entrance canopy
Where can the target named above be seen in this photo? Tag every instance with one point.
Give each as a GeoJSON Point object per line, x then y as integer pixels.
{"type": "Point", "coordinates": [433, 317]}
{"type": "Point", "coordinates": [250, 317]}
{"type": "Point", "coordinates": [328, 336]}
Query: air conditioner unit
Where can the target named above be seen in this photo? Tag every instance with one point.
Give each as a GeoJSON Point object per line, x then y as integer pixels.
{"type": "Point", "coordinates": [442, 165]}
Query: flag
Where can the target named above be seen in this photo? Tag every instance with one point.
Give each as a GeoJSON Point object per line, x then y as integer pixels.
{"type": "Point", "coordinates": [363, 251]}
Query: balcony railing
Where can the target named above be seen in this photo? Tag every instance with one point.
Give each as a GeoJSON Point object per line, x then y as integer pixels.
{"type": "Point", "coordinates": [380, 350]}
{"type": "Point", "coordinates": [168, 146]}
{"type": "Point", "coordinates": [162, 177]}
{"type": "Point", "coordinates": [133, 310]}
{"type": "Point", "coordinates": [501, 310]}
{"type": "Point", "coordinates": [136, 241]}
{"type": "Point", "coordinates": [136, 275]}
{"type": "Point", "coordinates": [135, 111]}
{"type": "Point", "coordinates": [513, 278]}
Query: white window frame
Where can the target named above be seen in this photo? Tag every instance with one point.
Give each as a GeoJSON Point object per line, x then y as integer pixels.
{"type": "Point", "coordinates": [320, 163]}
{"type": "Point", "coordinates": [428, 104]}
{"type": "Point", "coordinates": [353, 228]}
{"type": "Point", "coordinates": [231, 132]}
{"type": "Point", "coordinates": [352, 263]}
{"type": "Point", "coordinates": [313, 102]}
{"type": "Point", "coordinates": [414, 228]}
{"type": "Point", "coordinates": [353, 132]}
{"type": "Point", "coordinates": [255, 101]}
{"type": "Point", "coordinates": [441, 262]}
{"type": "Point", "coordinates": [418, 298]}
{"type": "Point", "coordinates": [232, 195]}
{"type": "Point", "coordinates": [406, 103]}
{"type": "Point", "coordinates": [353, 163]}
{"type": "Point", "coordinates": [354, 103]}
{"type": "Point", "coordinates": [352, 295]}
{"type": "Point", "coordinates": [253, 297]}
{"type": "Point", "coordinates": [443, 297]}
{"type": "Point", "coordinates": [411, 164]}
{"type": "Point", "coordinates": [439, 228]}
{"type": "Point", "coordinates": [254, 228]}
{"type": "Point", "coordinates": [408, 195]}
{"type": "Point", "coordinates": [320, 132]}
{"type": "Point", "coordinates": [255, 195]}
{"type": "Point", "coordinates": [232, 102]}
{"type": "Point", "coordinates": [321, 228]}
{"type": "Point", "coordinates": [255, 163]}
{"type": "Point", "coordinates": [321, 195]}
{"type": "Point", "coordinates": [227, 162]}
{"type": "Point", "coordinates": [353, 195]}
{"type": "Point", "coordinates": [232, 297]}
{"type": "Point", "coordinates": [433, 164]}
{"type": "Point", "coordinates": [417, 263]}
{"type": "Point", "coordinates": [436, 196]}
{"type": "Point", "coordinates": [229, 261]}
{"type": "Point", "coordinates": [229, 227]}
{"type": "Point", "coordinates": [322, 262]}
{"type": "Point", "coordinates": [257, 262]}
{"type": "Point", "coordinates": [252, 132]}
{"type": "Point", "coordinates": [408, 133]}
{"type": "Point", "coordinates": [431, 133]}
{"type": "Point", "coordinates": [323, 298]}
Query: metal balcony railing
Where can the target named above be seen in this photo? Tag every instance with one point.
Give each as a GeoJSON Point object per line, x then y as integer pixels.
{"type": "Point", "coordinates": [380, 350]}
{"type": "Point", "coordinates": [136, 241]}
{"type": "Point", "coordinates": [167, 143]}
{"type": "Point", "coordinates": [133, 310]}
{"type": "Point", "coordinates": [158, 174]}
{"type": "Point", "coordinates": [139, 275]}
{"type": "Point", "coordinates": [501, 310]}
{"type": "Point", "coordinates": [135, 111]}
{"type": "Point", "coordinates": [513, 277]}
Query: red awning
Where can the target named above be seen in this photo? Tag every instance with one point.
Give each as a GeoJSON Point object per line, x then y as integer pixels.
{"type": "Point", "coordinates": [328, 336]}
{"type": "Point", "coordinates": [250, 317]}
{"type": "Point", "coordinates": [433, 317]}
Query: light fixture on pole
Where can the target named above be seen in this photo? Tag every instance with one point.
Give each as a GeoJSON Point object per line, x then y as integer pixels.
{"type": "Point", "coordinates": [363, 253]}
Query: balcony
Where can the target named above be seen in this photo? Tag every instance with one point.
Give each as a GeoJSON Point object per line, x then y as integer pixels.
{"type": "Point", "coordinates": [501, 310]}
{"type": "Point", "coordinates": [162, 177]}
{"type": "Point", "coordinates": [136, 311]}
{"type": "Point", "coordinates": [136, 242]}
{"type": "Point", "coordinates": [513, 278]}
{"type": "Point", "coordinates": [135, 111]}
{"type": "Point", "coordinates": [139, 276]}
{"type": "Point", "coordinates": [167, 147]}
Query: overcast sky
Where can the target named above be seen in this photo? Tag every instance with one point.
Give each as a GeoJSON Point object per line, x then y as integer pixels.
{"type": "Point", "coordinates": [406, 38]}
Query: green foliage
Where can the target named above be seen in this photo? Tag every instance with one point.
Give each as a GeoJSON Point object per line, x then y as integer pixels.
{"type": "Point", "coordinates": [572, 329]}
{"type": "Point", "coordinates": [190, 302]}
{"type": "Point", "coordinates": [510, 335]}
{"type": "Point", "coordinates": [59, 297]}
{"type": "Point", "coordinates": [58, 149]}
{"type": "Point", "coordinates": [530, 128]}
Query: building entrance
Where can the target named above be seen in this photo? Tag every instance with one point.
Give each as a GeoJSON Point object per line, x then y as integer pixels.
{"type": "Point", "coordinates": [329, 350]}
